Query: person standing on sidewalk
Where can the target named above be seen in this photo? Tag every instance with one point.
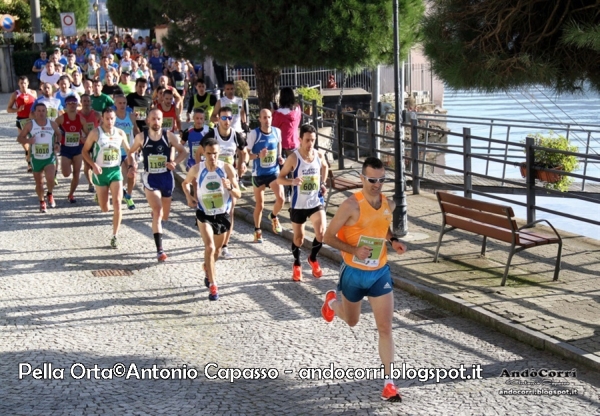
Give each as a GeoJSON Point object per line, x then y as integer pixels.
{"type": "Point", "coordinates": [309, 169]}
{"type": "Point", "coordinates": [264, 145]}
{"type": "Point", "coordinates": [216, 185]}
{"type": "Point", "coordinates": [105, 142]}
{"type": "Point", "coordinates": [360, 230]}
{"type": "Point", "coordinates": [158, 148]}
{"type": "Point", "coordinates": [42, 134]}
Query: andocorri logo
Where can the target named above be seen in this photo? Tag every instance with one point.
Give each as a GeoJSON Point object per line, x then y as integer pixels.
{"type": "Point", "coordinates": [211, 186]}
{"type": "Point", "coordinates": [542, 372]}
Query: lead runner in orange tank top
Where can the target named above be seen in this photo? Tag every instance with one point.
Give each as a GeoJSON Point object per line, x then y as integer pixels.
{"type": "Point", "coordinates": [360, 229]}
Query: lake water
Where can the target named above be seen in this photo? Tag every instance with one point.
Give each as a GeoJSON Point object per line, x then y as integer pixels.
{"type": "Point", "coordinates": [539, 105]}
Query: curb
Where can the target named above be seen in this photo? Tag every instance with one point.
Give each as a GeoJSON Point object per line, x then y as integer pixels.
{"type": "Point", "coordinates": [449, 302]}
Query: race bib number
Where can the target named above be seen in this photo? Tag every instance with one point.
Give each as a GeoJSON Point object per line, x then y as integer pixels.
{"type": "Point", "coordinates": [141, 111]}
{"type": "Point", "coordinates": [157, 163]}
{"type": "Point", "coordinates": [41, 150]}
{"type": "Point", "coordinates": [52, 113]}
{"type": "Point", "coordinates": [212, 201]}
{"type": "Point", "coordinates": [235, 109]}
{"type": "Point", "coordinates": [179, 85]}
{"type": "Point", "coordinates": [376, 246]}
{"type": "Point", "coordinates": [226, 159]}
{"type": "Point", "coordinates": [167, 123]}
{"type": "Point", "coordinates": [111, 156]}
{"type": "Point", "coordinates": [72, 139]}
{"type": "Point", "coordinates": [194, 149]}
{"type": "Point", "coordinates": [90, 126]}
{"type": "Point", "coordinates": [269, 160]}
{"type": "Point", "coordinates": [309, 184]}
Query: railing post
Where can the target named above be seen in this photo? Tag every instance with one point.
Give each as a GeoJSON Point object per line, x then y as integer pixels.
{"type": "Point", "coordinates": [530, 180]}
{"type": "Point", "coordinates": [468, 187]}
{"type": "Point", "coordinates": [356, 140]}
{"type": "Point", "coordinates": [372, 138]}
{"type": "Point", "coordinates": [315, 120]}
{"type": "Point", "coordinates": [340, 137]}
{"type": "Point", "coordinates": [414, 140]}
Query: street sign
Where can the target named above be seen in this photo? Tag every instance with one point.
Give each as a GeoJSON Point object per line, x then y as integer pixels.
{"type": "Point", "coordinates": [67, 21]}
{"type": "Point", "coordinates": [8, 22]}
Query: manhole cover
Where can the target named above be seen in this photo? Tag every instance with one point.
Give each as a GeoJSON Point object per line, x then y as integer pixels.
{"type": "Point", "coordinates": [426, 314]}
{"type": "Point", "coordinates": [112, 272]}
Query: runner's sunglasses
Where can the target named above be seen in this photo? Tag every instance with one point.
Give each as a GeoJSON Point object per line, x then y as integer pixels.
{"type": "Point", "coordinates": [374, 180]}
{"type": "Point", "coordinates": [226, 118]}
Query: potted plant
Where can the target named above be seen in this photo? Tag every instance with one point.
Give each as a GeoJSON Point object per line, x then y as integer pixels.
{"type": "Point", "coordinates": [552, 160]}
{"type": "Point", "coordinates": [309, 94]}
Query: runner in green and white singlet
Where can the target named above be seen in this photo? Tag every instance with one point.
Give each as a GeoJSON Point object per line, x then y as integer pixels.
{"type": "Point", "coordinates": [105, 143]}
{"type": "Point", "coordinates": [42, 137]}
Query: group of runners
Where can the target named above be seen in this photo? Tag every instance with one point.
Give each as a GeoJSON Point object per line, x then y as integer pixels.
{"type": "Point", "coordinates": [119, 137]}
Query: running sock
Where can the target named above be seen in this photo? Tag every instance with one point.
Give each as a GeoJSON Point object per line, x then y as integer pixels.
{"type": "Point", "coordinates": [316, 246]}
{"type": "Point", "coordinates": [256, 229]}
{"type": "Point", "coordinates": [158, 241]}
{"type": "Point", "coordinates": [271, 216]}
{"type": "Point", "coordinates": [388, 381]}
{"type": "Point", "coordinates": [296, 253]}
{"type": "Point", "coordinates": [48, 193]}
{"type": "Point", "coordinates": [224, 246]}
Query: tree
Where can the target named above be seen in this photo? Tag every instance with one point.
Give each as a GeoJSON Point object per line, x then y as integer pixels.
{"type": "Point", "coordinates": [135, 14]}
{"type": "Point", "coordinates": [344, 34]}
{"type": "Point", "coordinates": [51, 9]}
{"type": "Point", "coordinates": [491, 45]}
{"type": "Point", "coordinates": [21, 10]}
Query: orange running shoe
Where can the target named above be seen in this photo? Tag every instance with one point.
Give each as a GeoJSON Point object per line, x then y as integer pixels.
{"type": "Point", "coordinates": [161, 256]}
{"type": "Point", "coordinates": [51, 202]}
{"type": "Point", "coordinates": [214, 293]}
{"type": "Point", "coordinates": [316, 268]}
{"type": "Point", "coordinates": [297, 273]}
{"type": "Point", "coordinates": [390, 393]}
{"type": "Point", "coordinates": [326, 311]}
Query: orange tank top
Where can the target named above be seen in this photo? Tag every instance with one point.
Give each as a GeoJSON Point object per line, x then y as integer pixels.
{"type": "Point", "coordinates": [371, 229]}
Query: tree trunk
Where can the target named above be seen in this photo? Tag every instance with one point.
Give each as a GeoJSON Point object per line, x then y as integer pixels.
{"type": "Point", "coordinates": [267, 85]}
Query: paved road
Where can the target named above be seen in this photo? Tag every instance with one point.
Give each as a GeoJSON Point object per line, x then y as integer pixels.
{"type": "Point", "coordinates": [55, 312]}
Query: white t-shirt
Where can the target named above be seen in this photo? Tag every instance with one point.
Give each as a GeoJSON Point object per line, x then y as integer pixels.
{"type": "Point", "coordinates": [52, 79]}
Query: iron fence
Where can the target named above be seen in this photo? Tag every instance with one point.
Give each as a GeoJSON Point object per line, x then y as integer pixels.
{"type": "Point", "coordinates": [433, 155]}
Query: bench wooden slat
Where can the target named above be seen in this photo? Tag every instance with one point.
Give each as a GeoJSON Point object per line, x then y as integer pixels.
{"type": "Point", "coordinates": [476, 227]}
{"type": "Point", "coordinates": [486, 217]}
{"type": "Point", "coordinates": [493, 221]}
{"type": "Point", "coordinates": [480, 205]}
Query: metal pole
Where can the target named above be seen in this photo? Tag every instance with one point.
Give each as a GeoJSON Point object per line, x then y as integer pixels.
{"type": "Point", "coordinates": [375, 94]}
{"type": "Point", "coordinates": [36, 21]}
{"type": "Point", "coordinates": [97, 8]}
{"type": "Point", "coordinates": [468, 186]}
{"type": "Point", "coordinates": [400, 225]}
{"type": "Point", "coordinates": [530, 180]}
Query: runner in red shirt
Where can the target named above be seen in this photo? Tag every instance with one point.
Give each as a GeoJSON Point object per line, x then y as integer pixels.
{"type": "Point", "coordinates": [20, 102]}
{"type": "Point", "coordinates": [91, 121]}
{"type": "Point", "coordinates": [74, 130]}
{"type": "Point", "coordinates": [171, 120]}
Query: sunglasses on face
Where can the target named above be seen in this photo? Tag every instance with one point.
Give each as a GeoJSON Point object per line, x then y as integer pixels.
{"type": "Point", "coordinates": [375, 180]}
{"type": "Point", "coordinates": [226, 118]}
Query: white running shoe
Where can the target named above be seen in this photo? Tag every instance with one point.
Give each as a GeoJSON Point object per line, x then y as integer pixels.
{"type": "Point", "coordinates": [226, 254]}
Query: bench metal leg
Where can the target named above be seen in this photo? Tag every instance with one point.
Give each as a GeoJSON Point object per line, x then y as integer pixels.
{"type": "Point", "coordinates": [437, 249]}
{"type": "Point", "coordinates": [483, 246]}
{"type": "Point", "coordinates": [558, 257]}
{"type": "Point", "coordinates": [512, 252]}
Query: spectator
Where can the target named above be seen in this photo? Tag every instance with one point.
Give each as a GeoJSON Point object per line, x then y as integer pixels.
{"type": "Point", "coordinates": [40, 64]}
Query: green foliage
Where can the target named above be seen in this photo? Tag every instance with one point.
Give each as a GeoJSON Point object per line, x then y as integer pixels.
{"type": "Point", "coordinates": [499, 45]}
{"type": "Point", "coordinates": [51, 9]}
{"type": "Point", "coordinates": [344, 34]}
{"type": "Point", "coordinates": [554, 160]}
{"type": "Point", "coordinates": [242, 89]}
{"type": "Point", "coordinates": [309, 94]}
{"type": "Point", "coordinates": [142, 14]}
{"type": "Point", "coordinates": [21, 10]}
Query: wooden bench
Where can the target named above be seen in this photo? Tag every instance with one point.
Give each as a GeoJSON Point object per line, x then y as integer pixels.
{"type": "Point", "coordinates": [345, 181]}
{"type": "Point", "coordinates": [493, 221]}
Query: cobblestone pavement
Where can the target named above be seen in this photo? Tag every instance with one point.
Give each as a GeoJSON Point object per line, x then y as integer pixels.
{"type": "Point", "coordinates": [56, 314]}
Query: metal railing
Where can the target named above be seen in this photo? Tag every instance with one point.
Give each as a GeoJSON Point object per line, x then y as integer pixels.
{"type": "Point", "coordinates": [419, 77]}
{"type": "Point", "coordinates": [354, 137]}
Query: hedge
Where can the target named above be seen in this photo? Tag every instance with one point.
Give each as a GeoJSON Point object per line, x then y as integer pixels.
{"type": "Point", "coordinates": [24, 60]}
